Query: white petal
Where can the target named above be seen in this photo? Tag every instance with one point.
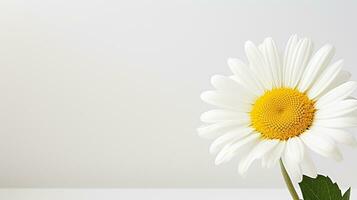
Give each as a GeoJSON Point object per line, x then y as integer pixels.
{"type": "Point", "coordinates": [225, 100]}
{"type": "Point", "coordinates": [217, 129]}
{"type": "Point", "coordinates": [292, 167]}
{"type": "Point", "coordinates": [230, 150]}
{"type": "Point", "coordinates": [341, 78]}
{"type": "Point", "coordinates": [338, 135]}
{"type": "Point", "coordinates": [229, 137]}
{"type": "Point", "coordinates": [337, 109]}
{"type": "Point", "coordinates": [307, 166]}
{"type": "Point", "coordinates": [295, 148]}
{"type": "Point", "coordinates": [245, 76]}
{"type": "Point", "coordinates": [324, 146]}
{"type": "Point", "coordinates": [300, 59]}
{"type": "Point", "coordinates": [227, 84]}
{"type": "Point", "coordinates": [221, 82]}
{"type": "Point", "coordinates": [340, 122]}
{"type": "Point", "coordinates": [259, 151]}
{"type": "Point", "coordinates": [336, 94]}
{"type": "Point", "coordinates": [271, 158]}
{"type": "Point", "coordinates": [289, 58]}
{"type": "Point", "coordinates": [327, 77]}
{"type": "Point", "coordinates": [258, 65]}
{"type": "Point", "coordinates": [273, 60]}
{"type": "Point", "coordinates": [219, 115]}
{"type": "Point", "coordinates": [316, 65]}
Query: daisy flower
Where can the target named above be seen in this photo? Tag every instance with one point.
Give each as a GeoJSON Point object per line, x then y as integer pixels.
{"type": "Point", "coordinates": [276, 107]}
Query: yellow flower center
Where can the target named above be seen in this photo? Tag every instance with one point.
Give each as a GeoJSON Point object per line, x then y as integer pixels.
{"type": "Point", "coordinates": [282, 113]}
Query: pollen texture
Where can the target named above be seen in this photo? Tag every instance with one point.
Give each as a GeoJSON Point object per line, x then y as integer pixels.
{"type": "Point", "coordinates": [282, 113]}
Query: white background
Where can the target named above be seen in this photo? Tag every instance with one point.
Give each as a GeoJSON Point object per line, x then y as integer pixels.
{"type": "Point", "coordinates": [139, 194]}
{"type": "Point", "coordinates": [106, 93]}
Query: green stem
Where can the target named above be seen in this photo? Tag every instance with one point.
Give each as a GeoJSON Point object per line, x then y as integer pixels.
{"type": "Point", "coordinates": [288, 182]}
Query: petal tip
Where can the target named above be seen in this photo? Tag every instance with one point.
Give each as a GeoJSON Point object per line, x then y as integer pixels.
{"type": "Point", "coordinates": [249, 44]}
{"type": "Point", "coordinates": [218, 160]}
{"type": "Point", "coordinates": [205, 95]}
{"type": "Point", "coordinates": [216, 78]}
{"type": "Point", "coordinates": [329, 47]}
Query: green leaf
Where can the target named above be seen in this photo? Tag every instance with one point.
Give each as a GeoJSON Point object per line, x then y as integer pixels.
{"type": "Point", "coordinates": [321, 188]}
{"type": "Point", "coordinates": [347, 194]}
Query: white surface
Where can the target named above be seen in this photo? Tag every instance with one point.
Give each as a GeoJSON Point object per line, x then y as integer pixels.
{"type": "Point", "coordinates": [137, 194]}
{"type": "Point", "coordinates": [106, 93]}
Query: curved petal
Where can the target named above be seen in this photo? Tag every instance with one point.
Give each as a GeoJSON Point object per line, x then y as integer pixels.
{"type": "Point", "coordinates": [225, 100]}
{"type": "Point", "coordinates": [245, 76]}
{"type": "Point", "coordinates": [338, 109]}
{"type": "Point", "coordinates": [257, 152]}
{"type": "Point", "coordinates": [340, 122]}
{"type": "Point", "coordinates": [338, 135]}
{"type": "Point", "coordinates": [271, 158]}
{"type": "Point", "coordinates": [341, 92]}
{"type": "Point", "coordinates": [288, 59]}
{"type": "Point", "coordinates": [307, 166]}
{"type": "Point", "coordinates": [226, 84]}
{"type": "Point", "coordinates": [229, 137]}
{"type": "Point", "coordinates": [217, 129]}
{"type": "Point", "coordinates": [220, 115]}
{"type": "Point", "coordinates": [321, 144]}
{"type": "Point", "coordinates": [295, 149]}
{"type": "Point", "coordinates": [258, 65]}
{"type": "Point", "coordinates": [300, 59]}
{"type": "Point", "coordinates": [316, 65]}
{"type": "Point", "coordinates": [273, 60]}
{"type": "Point", "coordinates": [292, 167]}
{"type": "Point", "coordinates": [230, 150]}
{"type": "Point", "coordinates": [325, 79]}
{"type": "Point", "coordinates": [341, 78]}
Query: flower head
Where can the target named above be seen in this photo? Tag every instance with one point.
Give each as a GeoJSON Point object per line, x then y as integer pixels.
{"type": "Point", "coordinates": [275, 106]}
